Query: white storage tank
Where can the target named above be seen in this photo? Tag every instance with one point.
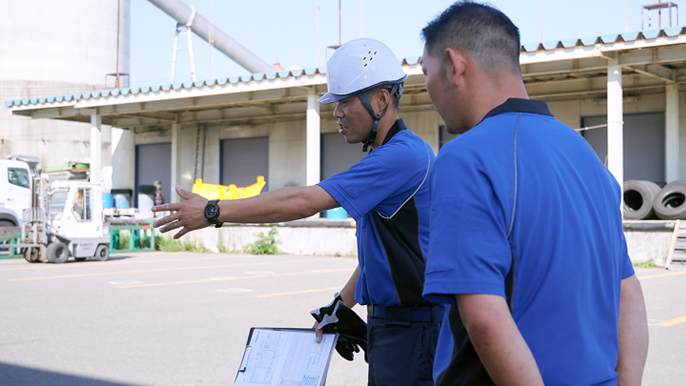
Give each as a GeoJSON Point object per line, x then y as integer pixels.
{"type": "Point", "coordinates": [50, 48]}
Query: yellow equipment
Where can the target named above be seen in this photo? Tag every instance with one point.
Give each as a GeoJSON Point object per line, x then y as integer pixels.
{"type": "Point", "coordinates": [231, 192]}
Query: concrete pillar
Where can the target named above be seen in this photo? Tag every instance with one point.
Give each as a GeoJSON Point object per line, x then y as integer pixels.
{"type": "Point", "coordinates": [175, 160]}
{"type": "Point", "coordinates": [313, 162]}
{"type": "Point", "coordinates": [96, 147]}
{"type": "Point", "coordinates": [615, 124]}
{"type": "Point", "coordinates": [671, 132]}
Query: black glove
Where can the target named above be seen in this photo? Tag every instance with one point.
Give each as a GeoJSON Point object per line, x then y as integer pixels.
{"type": "Point", "coordinates": [352, 330]}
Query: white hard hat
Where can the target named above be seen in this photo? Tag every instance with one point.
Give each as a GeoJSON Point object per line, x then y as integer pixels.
{"type": "Point", "coordinates": [360, 65]}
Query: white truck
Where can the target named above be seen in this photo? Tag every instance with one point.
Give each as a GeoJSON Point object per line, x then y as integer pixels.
{"type": "Point", "coordinates": [15, 191]}
{"type": "Point", "coordinates": [65, 220]}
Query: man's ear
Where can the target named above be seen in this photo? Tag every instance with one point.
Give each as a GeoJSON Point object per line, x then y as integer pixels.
{"type": "Point", "coordinates": [456, 65]}
{"type": "Point", "coordinates": [382, 99]}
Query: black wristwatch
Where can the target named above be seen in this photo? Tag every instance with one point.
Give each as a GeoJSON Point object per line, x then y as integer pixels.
{"type": "Point", "coordinates": [212, 213]}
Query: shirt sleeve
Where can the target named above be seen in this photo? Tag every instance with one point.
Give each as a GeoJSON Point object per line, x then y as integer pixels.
{"type": "Point", "coordinates": [627, 266]}
{"type": "Point", "coordinates": [376, 178]}
{"type": "Point", "coordinates": [468, 247]}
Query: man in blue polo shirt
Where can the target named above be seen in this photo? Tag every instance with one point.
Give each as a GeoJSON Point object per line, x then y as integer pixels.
{"type": "Point", "coordinates": [387, 193]}
{"type": "Point", "coordinates": [526, 240]}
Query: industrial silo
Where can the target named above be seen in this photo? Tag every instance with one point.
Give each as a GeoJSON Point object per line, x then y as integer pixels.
{"type": "Point", "coordinates": [50, 48]}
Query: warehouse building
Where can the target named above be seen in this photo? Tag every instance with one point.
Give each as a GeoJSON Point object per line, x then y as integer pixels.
{"type": "Point", "coordinates": [621, 92]}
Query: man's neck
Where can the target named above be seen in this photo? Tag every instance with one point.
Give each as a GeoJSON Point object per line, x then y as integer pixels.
{"type": "Point", "coordinates": [489, 98]}
{"type": "Point", "coordinates": [382, 130]}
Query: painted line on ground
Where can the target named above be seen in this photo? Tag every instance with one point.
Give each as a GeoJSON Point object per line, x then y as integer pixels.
{"type": "Point", "coordinates": [672, 322]}
{"type": "Point", "coordinates": [298, 292]}
{"type": "Point", "coordinates": [164, 270]}
{"type": "Point", "coordinates": [662, 275]}
{"type": "Point", "coordinates": [214, 280]}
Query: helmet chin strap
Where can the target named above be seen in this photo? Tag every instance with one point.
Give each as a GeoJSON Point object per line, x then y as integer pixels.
{"type": "Point", "coordinates": [397, 89]}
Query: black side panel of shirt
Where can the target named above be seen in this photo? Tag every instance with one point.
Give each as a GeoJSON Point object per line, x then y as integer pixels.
{"type": "Point", "coordinates": [399, 236]}
{"type": "Point", "coordinates": [470, 371]}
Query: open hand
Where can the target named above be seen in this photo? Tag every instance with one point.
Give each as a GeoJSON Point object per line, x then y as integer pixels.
{"type": "Point", "coordinates": [189, 216]}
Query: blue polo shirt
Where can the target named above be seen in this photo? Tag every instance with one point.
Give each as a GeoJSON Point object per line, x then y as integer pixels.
{"type": "Point", "coordinates": [387, 193]}
{"type": "Point", "coordinates": [523, 208]}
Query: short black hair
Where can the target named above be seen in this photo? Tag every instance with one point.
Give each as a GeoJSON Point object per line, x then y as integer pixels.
{"type": "Point", "coordinates": [481, 31]}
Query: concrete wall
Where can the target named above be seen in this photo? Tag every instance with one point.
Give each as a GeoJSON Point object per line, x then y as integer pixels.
{"type": "Point", "coordinates": [643, 243]}
{"type": "Point", "coordinates": [294, 240]}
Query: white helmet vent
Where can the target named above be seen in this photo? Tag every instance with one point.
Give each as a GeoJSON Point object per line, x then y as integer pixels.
{"type": "Point", "coordinates": [368, 58]}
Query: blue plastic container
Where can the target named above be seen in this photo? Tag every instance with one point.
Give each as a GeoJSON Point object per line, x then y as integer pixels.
{"type": "Point", "coordinates": [336, 214]}
{"type": "Point", "coordinates": [107, 200]}
{"type": "Point", "coordinates": [121, 201]}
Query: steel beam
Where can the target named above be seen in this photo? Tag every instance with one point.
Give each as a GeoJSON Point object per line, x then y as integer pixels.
{"type": "Point", "coordinates": [313, 162]}
{"type": "Point", "coordinates": [187, 16]}
{"type": "Point", "coordinates": [615, 123]}
{"type": "Point", "coordinates": [671, 132]}
{"type": "Point", "coordinates": [95, 147]}
{"type": "Point", "coordinates": [175, 160]}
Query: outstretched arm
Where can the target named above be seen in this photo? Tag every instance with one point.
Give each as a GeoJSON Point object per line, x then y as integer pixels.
{"type": "Point", "coordinates": [497, 340]}
{"type": "Point", "coordinates": [284, 204]}
{"type": "Point", "coordinates": [633, 333]}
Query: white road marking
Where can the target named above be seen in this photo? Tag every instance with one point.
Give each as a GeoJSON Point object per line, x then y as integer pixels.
{"type": "Point", "coordinates": [126, 282]}
{"type": "Point", "coordinates": [234, 290]}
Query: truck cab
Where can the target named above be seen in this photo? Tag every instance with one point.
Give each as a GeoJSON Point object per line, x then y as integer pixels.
{"type": "Point", "coordinates": [15, 191]}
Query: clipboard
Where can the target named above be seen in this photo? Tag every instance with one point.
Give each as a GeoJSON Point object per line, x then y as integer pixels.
{"type": "Point", "coordinates": [285, 356]}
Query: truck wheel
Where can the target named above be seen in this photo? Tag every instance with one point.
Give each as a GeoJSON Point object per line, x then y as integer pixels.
{"type": "Point", "coordinates": [57, 252]}
{"type": "Point", "coordinates": [32, 254]}
{"type": "Point", "coordinates": [102, 253]}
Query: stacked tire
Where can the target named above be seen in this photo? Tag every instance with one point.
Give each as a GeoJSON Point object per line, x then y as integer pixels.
{"type": "Point", "coordinates": [638, 199]}
{"type": "Point", "coordinates": [670, 203]}
{"type": "Point", "coordinates": [644, 200]}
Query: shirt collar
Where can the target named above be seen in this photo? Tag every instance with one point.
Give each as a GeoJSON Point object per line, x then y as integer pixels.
{"type": "Point", "coordinates": [397, 126]}
{"type": "Point", "coordinates": [520, 106]}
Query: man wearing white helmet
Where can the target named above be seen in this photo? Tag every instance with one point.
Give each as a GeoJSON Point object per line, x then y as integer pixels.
{"type": "Point", "coordinates": [387, 193]}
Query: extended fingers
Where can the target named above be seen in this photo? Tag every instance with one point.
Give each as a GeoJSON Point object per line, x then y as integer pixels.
{"type": "Point", "coordinates": [166, 220]}
{"type": "Point", "coordinates": [166, 207]}
{"type": "Point", "coordinates": [170, 226]}
{"type": "Point", "coordinates": [182, 232]}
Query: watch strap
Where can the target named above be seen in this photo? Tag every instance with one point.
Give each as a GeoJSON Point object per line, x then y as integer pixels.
{"type": "Point", "coordinates": [213, 219]}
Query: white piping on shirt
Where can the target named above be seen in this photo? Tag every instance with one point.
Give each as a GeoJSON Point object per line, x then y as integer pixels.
{"type": "Point", "coordinates": [514, 204]}
{"type": "Point", "coordinates": [428, 168]}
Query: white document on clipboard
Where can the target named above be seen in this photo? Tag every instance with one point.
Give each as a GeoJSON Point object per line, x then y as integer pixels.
{"type": "Point", "coordinates": [285, 357]}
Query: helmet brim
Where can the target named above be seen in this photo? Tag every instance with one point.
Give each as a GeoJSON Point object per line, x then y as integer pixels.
{"type": "Point", "coordinates": [331, 98]}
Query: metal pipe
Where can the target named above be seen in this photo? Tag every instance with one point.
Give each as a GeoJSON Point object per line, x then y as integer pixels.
{"type": "Point", "coordinates": [116, 82]}
{"type": "Point", "coordinates": [339, 23]}
{"type": "Point", "coordinates": [222, 41]}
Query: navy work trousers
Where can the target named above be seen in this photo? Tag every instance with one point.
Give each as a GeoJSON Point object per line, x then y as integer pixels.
{"type": "Point", "coordinates": [401, 351]}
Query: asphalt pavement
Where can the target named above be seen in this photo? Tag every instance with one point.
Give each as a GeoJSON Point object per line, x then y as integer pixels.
{"type": "Point", "coordinates": [184, 318]}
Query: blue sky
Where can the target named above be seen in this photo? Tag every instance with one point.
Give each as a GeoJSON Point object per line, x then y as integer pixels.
{"type": "Point", "coordinates": [285, 31]}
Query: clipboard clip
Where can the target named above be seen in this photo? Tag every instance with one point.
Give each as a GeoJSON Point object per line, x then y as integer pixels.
{"type": "Point", "coordinates": [244, 361]}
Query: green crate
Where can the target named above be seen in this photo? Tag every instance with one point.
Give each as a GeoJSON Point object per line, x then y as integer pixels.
{"type": "Point", "coordinates": [14, 253]}
{"type": "Point", "coordinates": [141, 238]}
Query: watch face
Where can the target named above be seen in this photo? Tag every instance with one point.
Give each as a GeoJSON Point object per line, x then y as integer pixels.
{"type": "Point", "coordinates": [211, 211]}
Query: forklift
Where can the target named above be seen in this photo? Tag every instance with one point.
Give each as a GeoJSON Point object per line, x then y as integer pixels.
{"type": "Point", "coordinates": [66, 220]}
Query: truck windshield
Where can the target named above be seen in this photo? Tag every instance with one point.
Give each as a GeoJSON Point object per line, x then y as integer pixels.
{"type": "Point", "coordinates": [57, 200]}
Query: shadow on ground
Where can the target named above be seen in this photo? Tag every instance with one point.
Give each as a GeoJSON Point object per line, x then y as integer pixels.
{"type": "Point", "coordinates": [24, 376]}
